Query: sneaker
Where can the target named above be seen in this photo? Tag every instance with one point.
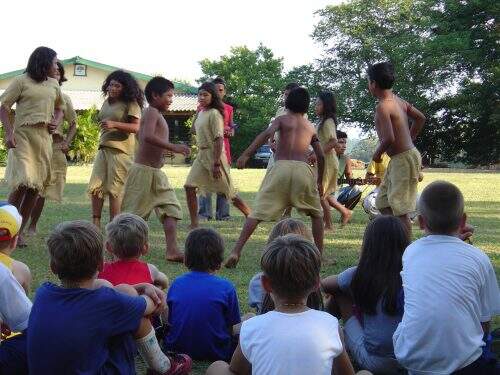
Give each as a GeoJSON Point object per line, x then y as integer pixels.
{"type": "Point", "coordinates": [180, 364]}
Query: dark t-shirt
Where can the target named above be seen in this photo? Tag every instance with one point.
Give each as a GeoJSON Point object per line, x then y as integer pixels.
{"type": "Point", "coordinates": [77, 331]}
{"type": "Point", "coordinates": [202, 308]}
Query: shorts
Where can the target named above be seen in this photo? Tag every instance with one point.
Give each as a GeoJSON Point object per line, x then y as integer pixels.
{"type": "Point", "coordinates": [289, 183]}
{"type": "Point", "coordinates": [148, 189]}
{"type": "Point", "coordinates": [109, 172]}
{"type": "Point", "coordinates": [28, 164]}
{"type": "Point", "coordinates": [398, 190]}
{"type": "Point", "coordinates": [54, 190]}
{"type": "Point", "coordinates": [14, 355]}
{"type": "Point", "coordinates": [355, 343]}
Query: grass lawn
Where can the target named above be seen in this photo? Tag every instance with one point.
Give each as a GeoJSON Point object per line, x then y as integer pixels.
{"type": "Point", "coordinates": [481, 191]}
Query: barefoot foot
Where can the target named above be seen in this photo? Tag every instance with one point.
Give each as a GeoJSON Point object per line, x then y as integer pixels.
{"type": "Point", "coordinates": [31, 231]}
{"type": "Point", "coordinates": [346, 217]}
{"type": "Point", "coordinates": [177, 257]}
{"type": "Point", "coordinates": [232, 261]}
{"type": "Point", "coordinates": [21, 242]}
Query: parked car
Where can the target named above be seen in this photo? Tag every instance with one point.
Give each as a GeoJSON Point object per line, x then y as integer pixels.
{"type": "Point", "coordinates": [261, 157]}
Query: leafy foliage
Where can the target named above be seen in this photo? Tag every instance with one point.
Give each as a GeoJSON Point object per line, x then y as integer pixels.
{"type": "Point", "coordinates": [86, 142]}
{"type": "Point", "coordinates": [254, 80]}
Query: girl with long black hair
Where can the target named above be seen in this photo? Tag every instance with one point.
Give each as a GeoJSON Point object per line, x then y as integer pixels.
{"type": "Point", "coordinates": [120, 119]}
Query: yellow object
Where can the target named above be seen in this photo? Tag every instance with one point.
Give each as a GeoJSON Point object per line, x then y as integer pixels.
{"type": "Point", "coordinates": [118, 111]}
{"type": "Point", "coordinates": [378, 169]}
{"type": "Point", "coordinates": [209, 126]}
{"type": "Point", "coordinates": [6, 260]}
{"type": "Point", "coordinates": [35, 101]}
{"type": "Point", "coordinates": [289, 183]}
{"type": "Point", "coordinates": [109, 172]}
{"type": "Point", "coordinates": [325, 134]}
{"type": "Point", "coordinates": [54, 190]}
{"type": "Point", "coordinates": [28, 164]}
{"type": "Point", "coordinates": [148, 189]}
{"type": "Point", "coordinates": [399, 186]}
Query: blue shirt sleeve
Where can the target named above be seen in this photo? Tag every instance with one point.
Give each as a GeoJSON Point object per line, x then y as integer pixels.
{"type": "Point", "coordinates": [232, 314]}
{"type": "Point", "coordinates": [344, 278]}
{"type": "Point", "coordinates": [126, 314]}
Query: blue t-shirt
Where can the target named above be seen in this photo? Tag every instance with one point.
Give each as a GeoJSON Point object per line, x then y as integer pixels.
{"type": "Point", "coordinates": [379, 328]}
{"type": "Point", "coordinates": [202, 308]}
{"type": "Point", "coordinates": [82, 331]}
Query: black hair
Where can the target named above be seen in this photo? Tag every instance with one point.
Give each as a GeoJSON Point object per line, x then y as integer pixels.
{"type": "Point", "coordinates": [329, 107]}
{"type": "Point", "coordinates": [40, 63]}
{"type": "Point", "coordinates": [314, 301]}
{"type": "Point", "coordinates": [298, 100]}
{"type": "Point", "coordinates": [158, 86]}
{"type": "Point", "coordinates": [204, 250]}
{"type": "Point", "coordinates": [341, 134]}
{"type": "Point", "coordinates": [219, 81]}
{"type": "Point", "coordinates": [383, 74]}
{"type": "Point", "coordinates": [290, 86]}
{"type": "Point", "coordinates": [378, 273]}
{"type": "Point", "coordinates": [131, 90]}
{"type": "Point", "coordinates": [62, 77]}
{"type": "Point", "coordinates": [216, 100]}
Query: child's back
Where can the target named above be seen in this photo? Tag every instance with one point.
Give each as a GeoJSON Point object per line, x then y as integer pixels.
{"type": "Point", "coordinates": [149, 153]}
{"type": "Point", "coordinates": [296, 343]}
{"type": "Point", "coordinates": [202, 310]}
{"type": "Point", "coordinates": [126, 271]}
{"type": "Point", "coordinates": [296, 134]}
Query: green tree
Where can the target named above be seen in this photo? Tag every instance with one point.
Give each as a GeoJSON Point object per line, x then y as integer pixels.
{"type": "Point", "coordinates": [364, 149]}
{"type": "Point", "coordinates": [254, 80]}
{"type": "Point", "coordinates": [444, 54]}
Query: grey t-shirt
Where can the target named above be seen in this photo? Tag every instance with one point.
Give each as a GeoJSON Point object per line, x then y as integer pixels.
{"type": "Point", "coordinates": [379, 328]}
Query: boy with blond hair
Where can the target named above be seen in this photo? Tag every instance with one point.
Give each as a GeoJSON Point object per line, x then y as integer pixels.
{"type": "Point", "coordinates": [84, 326]}
{"type": "Point", "coordinates": [398, 192]}
{"type": "Point", "coordinates": [127, 241]}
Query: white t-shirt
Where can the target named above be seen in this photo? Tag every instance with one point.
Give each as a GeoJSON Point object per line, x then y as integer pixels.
{"type": "Point", "coordinates": [15, 307]}
{"type": "Point", "coordinates": [450, 287]}
{"type": "Point", "coordinates": [305, 343]}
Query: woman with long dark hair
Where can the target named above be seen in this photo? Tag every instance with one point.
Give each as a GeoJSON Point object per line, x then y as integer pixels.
{"type": "Point", "coordinates": [326, 110]}
{"type": "Point", "coordinates": [120, 119]}
{"type": "Point", "coordinates": [210, 170]}
{"type": "Point", "coordinates": [374, 288]}
{"type": "Point", "coordinates": [38, 100]}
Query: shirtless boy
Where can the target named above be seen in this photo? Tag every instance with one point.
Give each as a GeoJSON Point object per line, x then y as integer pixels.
{"type": "Point", "coordinates": [398, 191]}
{"type": "Point", "coordinates": [147, 187]}
{"type": "Point", "coordinates": [291, 180]}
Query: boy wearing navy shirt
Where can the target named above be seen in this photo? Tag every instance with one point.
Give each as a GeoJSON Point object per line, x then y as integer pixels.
{"type": "Point", "coordinates": [203, 308]}
{"type": "Point", "coordinates": [85, 325]}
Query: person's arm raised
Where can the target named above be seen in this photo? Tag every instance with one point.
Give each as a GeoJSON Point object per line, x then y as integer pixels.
{"type": "Point", "coordinates": [418, 120]}
{"type": "Point", "coordinates": [384, 131]}
{"type": "Point", "coordinates": [258, 141]}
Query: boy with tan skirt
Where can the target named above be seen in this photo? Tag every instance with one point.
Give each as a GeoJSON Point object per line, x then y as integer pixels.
{"type": "Point", "coordinates": [291, 182]}
{"type": "Point", "coordinates": [60, 147]}
{"type": "Point", "coordinates": [147, 188]}
{"type": "Point", "coordinates": [210, 170]}
{"type": "Point", "coordinates": [398, 192]}
{"type": "Point", "coordinates": [38, 100]}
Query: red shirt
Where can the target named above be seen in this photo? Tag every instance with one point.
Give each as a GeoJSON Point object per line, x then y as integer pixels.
{"type": "Point", "coordinates": [228, 120]}
{"type": "Point", "coordinates": [130, 271]}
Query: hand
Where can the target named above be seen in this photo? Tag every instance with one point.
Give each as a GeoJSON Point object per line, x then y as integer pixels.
{"type": "Point", "coordinates": [51, 127]}
{"type": "Point", "coordinates": [466, 232]}
{"type": "Point", "coordinates": [311, 159]}
{"type": "Point", "coordinates": [182, 149]}
{"type": "Point", "coordinates": [64, 147]}
{"type": "Point", "coordinates": [216, 171]}
{"type": "Point", "coordinates": [232, 260]}
{"type": "Point", "coordinates": [107, 125]}
{"type": "Point", "coordinates": [156, 295]}
{"type": "Point", "coordinates": [241, 162]}
{"type": "Point", "coordinates": [168, 154]}
{"type": "Point", "coordinates": [10, 141]}
{"type": "Point", "coordinates": [5, 330]}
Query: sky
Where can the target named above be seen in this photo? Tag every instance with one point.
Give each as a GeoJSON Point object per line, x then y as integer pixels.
{"type": "Point", "coordinates": [158, 36]}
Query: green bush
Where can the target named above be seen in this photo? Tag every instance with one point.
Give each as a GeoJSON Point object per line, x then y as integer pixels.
{"type": "Point", "coordinates": [84, 146]}
{"type": "Point", "coordinates": [3, 149]}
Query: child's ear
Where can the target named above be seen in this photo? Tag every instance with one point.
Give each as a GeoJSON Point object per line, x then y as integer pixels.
{"type": "Point", "coordinates": [13, 241]}
{"type": "Point", "coordinates": [421, 222]}
{"type": "Point", "coordinates": [145, 249]}
{"type": "Point", "coordinates": [109, 249]}
{"type": "Point", "coordinates": [266, 283]}
{"type": "Point", "coordinates": [463, 222]}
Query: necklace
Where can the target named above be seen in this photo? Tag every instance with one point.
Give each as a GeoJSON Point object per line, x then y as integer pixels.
{"type": "Point", "coordinates": [293, 304]}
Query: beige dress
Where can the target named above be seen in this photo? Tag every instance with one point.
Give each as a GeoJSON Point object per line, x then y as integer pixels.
{"type": "Point", "coordinates": [326, 133]}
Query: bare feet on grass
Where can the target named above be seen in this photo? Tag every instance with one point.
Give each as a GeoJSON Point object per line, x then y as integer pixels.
{"type": "Point", "coordinates": [31, 231]}
{"type": "Point", "coordinates": [346, 217]}
{"type": "Point", "coordinates": [232, 260]}
{"type": "Point", "coordinates": [175, 256]}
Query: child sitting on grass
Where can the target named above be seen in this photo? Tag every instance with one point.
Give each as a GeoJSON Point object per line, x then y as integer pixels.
{"type": "Point", "coordinates": [82, 326]}
{"type": "Point", "coordinates": [127, 241]}
{"type": "Point", "coordinates": [203, 308]}
{"type": "Point", "coordinates": [10, 223]}
{"type": "Point", "coordinates": [257, 297]}
{"type": "Point", "coordinates": [292, 339]}
{"type": "Point", "coordinates": [374, 288]}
